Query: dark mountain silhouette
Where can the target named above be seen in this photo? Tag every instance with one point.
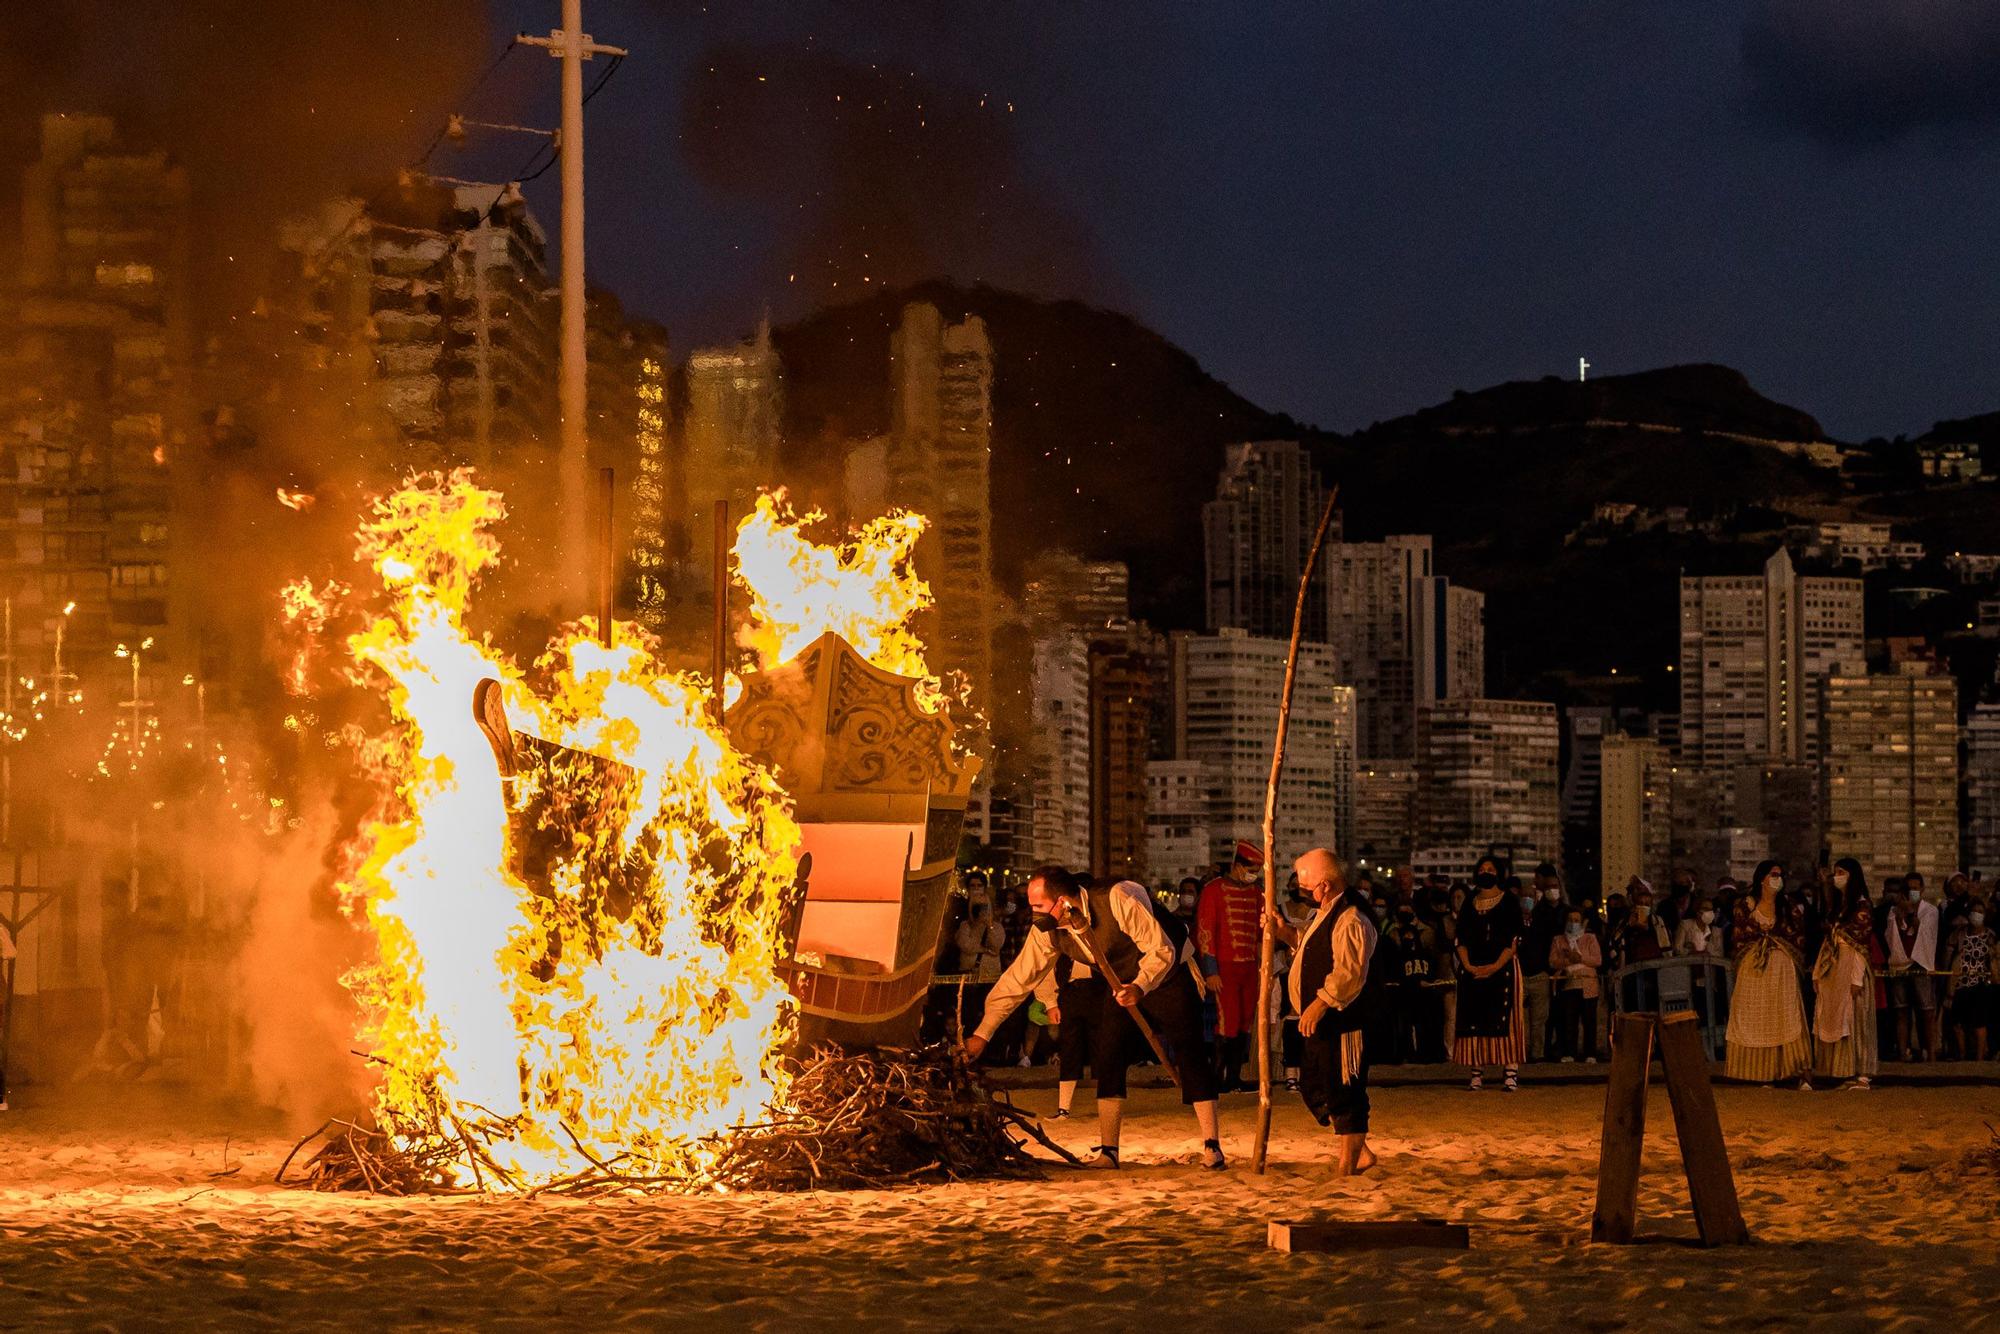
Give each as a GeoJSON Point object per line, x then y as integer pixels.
{"type": "Point", "coordinates": [1982, 429]}
{"type": "Point", "coordinates": [1106, 437]}
{"type": "Point", "coordinates": [1107, 440]}
{"type": "Point", "coordinates": [1697, 398]}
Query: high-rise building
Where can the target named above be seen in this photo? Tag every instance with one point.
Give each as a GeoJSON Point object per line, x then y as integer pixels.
{"type": "Point", "coordinates": [426, 307]}
{"type": "Point", "coordinates": [1635, 811]}
{"type": "Point", "coordinates": [1891, 757]}
{"type": "Point", "coordinates": [1345, 767]}
{"type": "Point", "coordinates": [1449, 646]}
{"type": "Point", "coordinates": [1060, 588]}
{"type": "Point", "coordinates": [730, 436]}
{"type": "Point", "coordinates": [1402, 636]}
{"type": "Point", "coordinates": [1487, 778]}
{"type": "Point", "coordinates": [1256, 535]}
{"type": "Point", "coordinates": [1058, 823]}
{"type": "Point", "coordinates": [1121, 732]}
{"type": "Point", "coordinates": [1982, 790]}
{"type": "Point", "coordinates": [1228, 688]}
{"type": "Point", "coordinates": [96, 349]}
{"type": "Point", "coordinates": [1385, 813]}
{"type": "Point", "coordinates": [939, 464]}
{"type": "Point", "coordinates": [628, 401]}
{"type": "Point", "coordinates": [1755, 653]}
{"type": "Point", "coordinates": [1179, 802]}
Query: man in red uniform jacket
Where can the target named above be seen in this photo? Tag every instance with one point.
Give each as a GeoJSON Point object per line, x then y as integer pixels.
{"type": "Point", "coordinates": [1229, 926]}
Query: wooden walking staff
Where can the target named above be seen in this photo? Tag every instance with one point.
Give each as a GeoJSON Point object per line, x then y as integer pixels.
{"type": "Point", "coordinates": [1268, 950]}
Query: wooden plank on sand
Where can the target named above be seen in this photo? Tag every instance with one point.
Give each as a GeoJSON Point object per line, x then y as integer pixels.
{"type": "Point", "coordinates": [1624, 1131]}
{"type": "Point", "coordinates": [1711, 1185]}
{"type": "Point", "coordinates": [1320, 1233]}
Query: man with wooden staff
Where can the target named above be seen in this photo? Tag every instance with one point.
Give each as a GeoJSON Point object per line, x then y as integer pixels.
{"type": "Point", "coordinates": [1331, 991]}
{"type": "Point", "coordinates": [1148, 993]}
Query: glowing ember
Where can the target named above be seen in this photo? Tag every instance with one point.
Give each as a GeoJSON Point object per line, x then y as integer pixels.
{"type": "Point", "coordinates": [558, 1025]}
{"type": "Point", "coordinates": [863, 589]}
{"type": "Point", "coordinates": [296, 500]}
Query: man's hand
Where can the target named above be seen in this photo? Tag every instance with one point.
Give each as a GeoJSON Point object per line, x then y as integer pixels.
{"type": "Point", "coordinates": [1055, 1015]}
{"type": "Point", "coordinates": [1128, 995]}
{"type": "Point", "coordinates": [975, 1047]}
{"type": "Point", "coordinates": [1310, 1019]}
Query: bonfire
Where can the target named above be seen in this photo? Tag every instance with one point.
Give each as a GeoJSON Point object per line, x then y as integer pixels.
{"type": "Point", "coordinates": [616, 1016]}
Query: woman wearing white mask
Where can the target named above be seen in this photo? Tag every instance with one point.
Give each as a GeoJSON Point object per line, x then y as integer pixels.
{"type": "Point", "coordinates": [1844, 984]}
{"type": "Point", "coordinates": [1974, 979]}
{"type": "Point", "coordinates": [1697, 933]}
{"type": "Point", "coordinates": [1767, 1037]}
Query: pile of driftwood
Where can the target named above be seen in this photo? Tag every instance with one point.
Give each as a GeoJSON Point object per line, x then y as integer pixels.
{"type": "Point", "coordinates": [358, 1157]}
{"type": "Point", "coordinates": [862, 1119]}
{"type": "Point", "coordinates": [852, 1120]}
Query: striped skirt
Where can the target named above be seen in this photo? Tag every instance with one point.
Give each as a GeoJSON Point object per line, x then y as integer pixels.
{"type": "Point", "coordinates": [1509, 1050]}
{"type": "Point", "coordinates": [1767, 1033]}
{"type": "Point", "coordinates": [1854, 1054]}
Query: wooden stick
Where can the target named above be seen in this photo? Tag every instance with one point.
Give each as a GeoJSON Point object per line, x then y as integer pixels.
{"type": "Point", "coordinates": [1268, 949]}
{"type": "Point", "coordinates": [719, 645]}
{"type": "Point", "coordinates": [1111, 980]}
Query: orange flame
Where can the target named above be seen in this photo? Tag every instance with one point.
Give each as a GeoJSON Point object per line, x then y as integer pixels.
{"type": "Point", "coordinates": [296, 500]}
{"type": "Point", "coordinates": [567, 1030]}
{"type": "Point", "coordinates": [864, 589]}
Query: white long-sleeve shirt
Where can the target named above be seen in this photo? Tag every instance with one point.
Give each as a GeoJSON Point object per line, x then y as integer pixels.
{"type": "Point", "coordinates": [1353, 945]}
{"type": "Point", "coordinates": [1924, 953]}
{"type": "Point", "coordinates": [1035, 965]}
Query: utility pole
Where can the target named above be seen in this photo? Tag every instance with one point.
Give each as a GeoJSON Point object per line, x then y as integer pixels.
{"type": "Point", "coordinates": [572, 45]}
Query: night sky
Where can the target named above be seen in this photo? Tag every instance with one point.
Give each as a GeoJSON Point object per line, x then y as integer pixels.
{"type": "Point", "coordinates": [1344, 210]}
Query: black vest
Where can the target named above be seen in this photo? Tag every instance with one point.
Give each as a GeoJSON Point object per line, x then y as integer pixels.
{"type": "Point", "coordinates": [1118, 951]}
{"type": "Point", "coordinates": [1316, 963]}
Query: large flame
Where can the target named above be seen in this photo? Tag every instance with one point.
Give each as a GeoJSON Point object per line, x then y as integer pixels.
{"type": "Point", "coordinates": [863, 589]}
{"type": "Point", "coordinates": [556, 1026]}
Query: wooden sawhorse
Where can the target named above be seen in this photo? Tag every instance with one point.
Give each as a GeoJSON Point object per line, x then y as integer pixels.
{"type": "Point", "coordinates": [1711, 1185]}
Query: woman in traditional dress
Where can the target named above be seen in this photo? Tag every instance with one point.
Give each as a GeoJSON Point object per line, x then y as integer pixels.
{"type": "Point", "coordinates": [1490, 1027]}
{"type": "Point", "coordinates": [1844, 983]}
{"type": "Point", "coordinates": [1768, 1041]}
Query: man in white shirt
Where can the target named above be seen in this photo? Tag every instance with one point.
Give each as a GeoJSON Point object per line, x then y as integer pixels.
{"type": "Point", "coordinates": [1116, 926]}
{"type": "Point", "coordinates": [1329, 987]}
{"type": "Point", "coordinates": [1910, 939]}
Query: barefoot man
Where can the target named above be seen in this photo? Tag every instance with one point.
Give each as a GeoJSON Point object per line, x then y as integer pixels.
{"type": "Point", "coordinates": [1117, 926]}
{"type": "Point", "coordinates": [1329, 991]}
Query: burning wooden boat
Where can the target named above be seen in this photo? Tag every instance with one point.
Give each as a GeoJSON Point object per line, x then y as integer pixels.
{"type": "Point", "coordinates": [880, 791]}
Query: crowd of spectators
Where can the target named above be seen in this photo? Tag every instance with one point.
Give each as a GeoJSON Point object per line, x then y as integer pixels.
{"type": "Point", "coordinates": [1933, 954]}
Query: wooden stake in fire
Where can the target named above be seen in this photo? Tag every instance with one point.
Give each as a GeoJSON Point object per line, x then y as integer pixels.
{"type": "Point", "coordinates": [607, 558]}
{"type": "Point", "coordinates": [719, 662]}
{"type": "Point", "coordinates": [1268, 949]}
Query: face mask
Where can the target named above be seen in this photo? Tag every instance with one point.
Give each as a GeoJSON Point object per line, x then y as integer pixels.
{"type": "Point", "coordinates": [1486, 880]}
{"type": "Point", "coordinates": [1776, 884]}
{"type": "Point", "coordinates": [1976, 917]}
{"type": "Point", "coordinates": [979, 906]}
{"type": "Point", "coordinates": [1641, 913]}
{"type": "Point", "coordinates": [1042, 921]}
{"type": "Point", "coordinates": [1707, 916]}
{"type": "Point", "coordinates": [1840, 880]}
{"type": "Point", "coordinates": [1187, 900]}
{"type": "Point", "coordinates": [1573, 930]}
{"type": "Point", "coordinates": [1527, 903]}
{"type": "Point", "coordinates": [1552, 894]}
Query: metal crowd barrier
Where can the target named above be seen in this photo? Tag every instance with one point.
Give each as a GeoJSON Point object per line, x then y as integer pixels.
{"type": "Point", "coordinates": [1697, 982]}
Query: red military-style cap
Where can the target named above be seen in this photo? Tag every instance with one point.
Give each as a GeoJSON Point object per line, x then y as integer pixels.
{"type": "Point", "coordinates": [1249, 853]}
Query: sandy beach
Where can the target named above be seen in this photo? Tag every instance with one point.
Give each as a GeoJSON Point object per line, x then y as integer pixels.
{"type": "Point", "coordinates": [1869, 1210]}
